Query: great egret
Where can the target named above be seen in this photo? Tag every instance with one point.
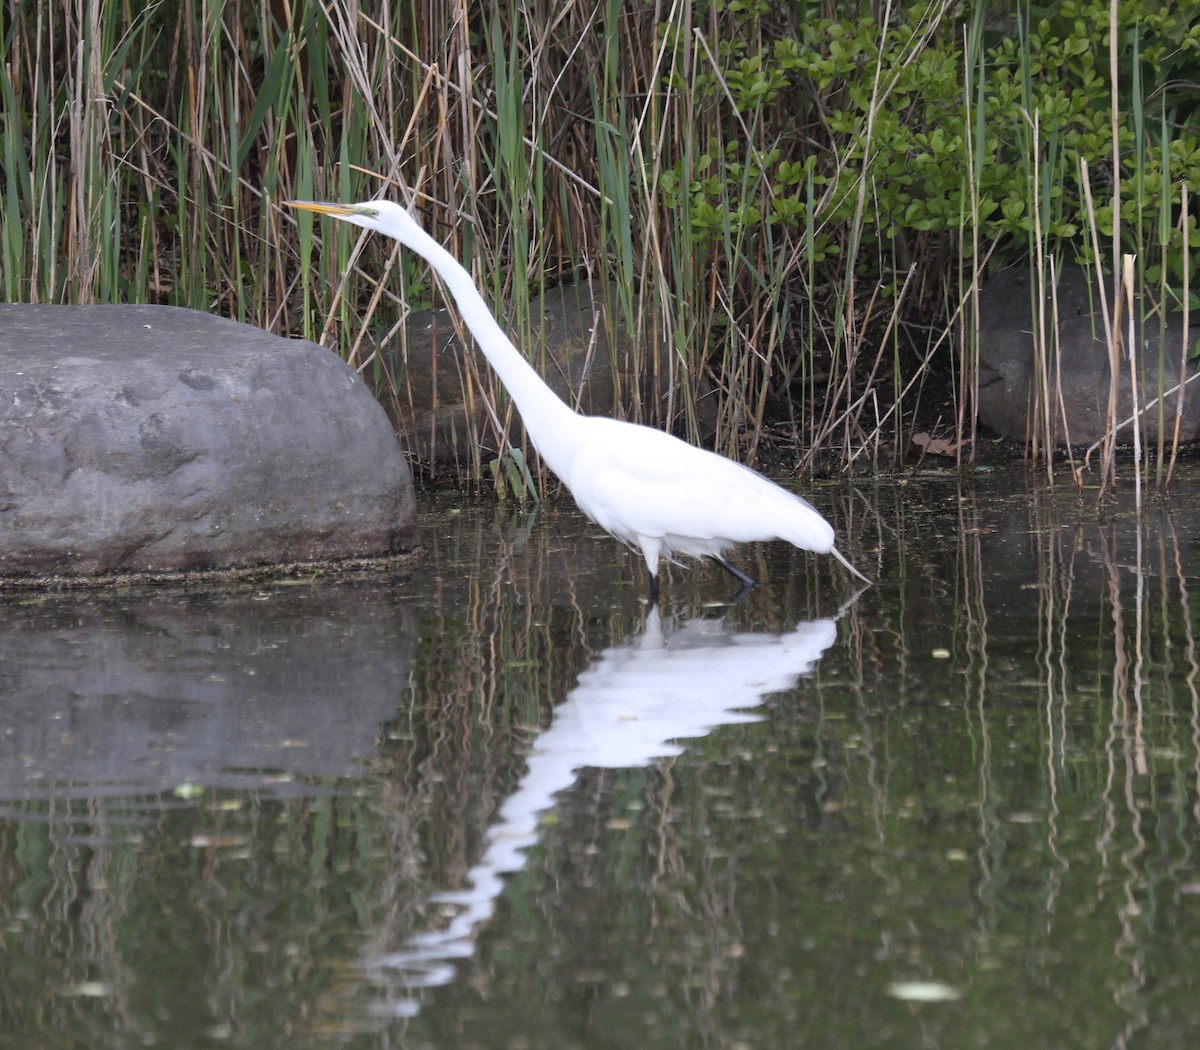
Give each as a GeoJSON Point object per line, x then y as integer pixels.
{"type": "Point", "coordinates": [646, 487]}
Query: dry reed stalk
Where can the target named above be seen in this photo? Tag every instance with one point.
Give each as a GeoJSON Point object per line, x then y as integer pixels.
{"type": "Point", "coordinates": [1131, 343]}
{"type": "Point", "coordinates": [1184, 212]}
{"type": "Point", "coordinates": [1111, 337]}
{"type": "Point", "coordinates": [968, 342]}
{"type": "Point", "coordinates": [1041, 417]}
{"type": "Point", "coordinates": [883, 85]}
{"type": "Point", "coordinates": [1057, 352]}
{"type": "Point", "coordinates": [1115, 341]}
{"type": "Point", "coordinates": [856, 408]}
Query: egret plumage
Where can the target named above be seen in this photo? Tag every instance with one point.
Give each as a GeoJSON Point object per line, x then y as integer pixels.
{"type": "Point", "coordinates": [651, 490]}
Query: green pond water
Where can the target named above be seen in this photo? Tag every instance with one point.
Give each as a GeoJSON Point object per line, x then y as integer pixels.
{"type": "Point", "coordinates": [489, 798]}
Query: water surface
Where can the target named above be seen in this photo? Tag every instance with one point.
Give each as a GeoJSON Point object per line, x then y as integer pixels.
{"type": "Point", "coordinates": [489, 798]}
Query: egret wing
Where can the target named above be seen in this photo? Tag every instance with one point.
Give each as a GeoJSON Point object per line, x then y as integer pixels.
{"type": "Point", "coordinates": [635, 481]}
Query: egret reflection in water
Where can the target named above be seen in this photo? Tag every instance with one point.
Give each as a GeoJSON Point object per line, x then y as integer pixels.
{"type": "Point", "coordinates": [672, 682]}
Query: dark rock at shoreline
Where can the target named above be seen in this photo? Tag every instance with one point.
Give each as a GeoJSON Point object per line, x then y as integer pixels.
{"type": "Point", "coordinates": [1079, 377]}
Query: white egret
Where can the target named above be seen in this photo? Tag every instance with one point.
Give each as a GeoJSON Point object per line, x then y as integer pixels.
{"type": "Point", "coordinates": [647, 488]}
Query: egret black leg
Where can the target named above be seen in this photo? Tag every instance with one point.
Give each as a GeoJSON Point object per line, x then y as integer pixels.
{"type": "Point", "coordinates": [746, 581]}
{"type": "Point", "coordinates": [654, 589]}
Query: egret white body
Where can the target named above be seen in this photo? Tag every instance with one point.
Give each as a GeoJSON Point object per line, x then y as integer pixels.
{"type": "Point", "coordinates": [646, 487]}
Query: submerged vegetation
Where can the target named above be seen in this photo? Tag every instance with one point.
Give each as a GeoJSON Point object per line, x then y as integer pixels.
{"type": "Point", "coordinates": [789, 207]}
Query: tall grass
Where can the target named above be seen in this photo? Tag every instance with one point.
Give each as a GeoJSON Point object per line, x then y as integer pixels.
{"type": "Point", "coordinates": [692, 158]}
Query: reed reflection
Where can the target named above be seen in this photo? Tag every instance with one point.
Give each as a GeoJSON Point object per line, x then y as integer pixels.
{"type": "Point", "coordinates": [1115, 675]}
{"type": "Point", "coordinates": [672, 682]}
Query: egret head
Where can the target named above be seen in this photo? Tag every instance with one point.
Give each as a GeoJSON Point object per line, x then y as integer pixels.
{"type": "Point", "coordinates": [385, 217]}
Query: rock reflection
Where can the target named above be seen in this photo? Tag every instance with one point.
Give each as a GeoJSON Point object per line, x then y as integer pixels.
{"type": "Point", "coordinates": [271, 688]}
{"type": "Point", "coordinates": [672, 682]}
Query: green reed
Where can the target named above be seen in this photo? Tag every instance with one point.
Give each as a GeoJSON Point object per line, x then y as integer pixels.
{"type": "Point", "coordinates": [789, 219]}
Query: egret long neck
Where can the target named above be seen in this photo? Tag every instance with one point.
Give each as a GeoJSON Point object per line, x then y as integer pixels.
{"type": "Point", "coordinates": [546, 417]}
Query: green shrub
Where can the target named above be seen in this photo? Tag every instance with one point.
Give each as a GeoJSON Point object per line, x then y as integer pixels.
{"type": "Point", "coordinates": [945, 134]}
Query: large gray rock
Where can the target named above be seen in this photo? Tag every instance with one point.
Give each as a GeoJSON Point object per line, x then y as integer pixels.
{"type": "Point", "coordinates": [150, 439]}
{"type": "Point", "coordinates": [1006, 364]}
